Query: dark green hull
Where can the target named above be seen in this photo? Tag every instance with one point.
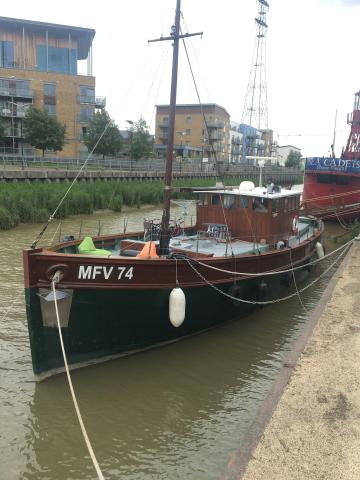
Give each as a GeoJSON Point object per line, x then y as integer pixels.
{"type": "Point", "coordinates": [104, 324]}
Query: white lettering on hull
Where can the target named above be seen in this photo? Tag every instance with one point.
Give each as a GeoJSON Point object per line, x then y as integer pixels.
{"type": "Point", "coordinates": [98, 272]}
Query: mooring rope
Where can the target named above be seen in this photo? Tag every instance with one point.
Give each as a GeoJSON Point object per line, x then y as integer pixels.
{"type": "Point", "coordinates": [272, 272]}
{"type": "Point", "coordinates": [86, 438]}
{"type": "Point", "coordinates": [295, 284]}
{"type": "Point", "coordinates": [268, 302]}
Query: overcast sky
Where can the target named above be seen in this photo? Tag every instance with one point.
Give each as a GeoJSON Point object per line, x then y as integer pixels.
{"type": "Point", "coordinates": [313, 67]}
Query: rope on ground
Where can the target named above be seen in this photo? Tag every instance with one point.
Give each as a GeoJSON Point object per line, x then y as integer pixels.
{"type": "Point", "coordinates": [273, 272]}
{"type": "Point", "coordinates": [268, 302]}
{"type": "Point", "coordinates": [86, 438]}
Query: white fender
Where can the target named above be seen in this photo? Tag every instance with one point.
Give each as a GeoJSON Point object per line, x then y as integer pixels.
{"type": "Point", "coordinates": [177, 303]}
{"type": "Point", "coordinates": [319, 250]}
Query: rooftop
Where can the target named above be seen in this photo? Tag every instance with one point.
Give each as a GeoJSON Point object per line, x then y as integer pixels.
{"type": "Point", "coordinates": [84, 36]}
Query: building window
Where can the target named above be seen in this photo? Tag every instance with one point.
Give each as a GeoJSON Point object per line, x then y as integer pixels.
{"type": "Point", "coordinates": [56, 59]}
{"type": "Point", "coordinates": [188, 119]}
{"type": "Point", "coordinates": [6, 54]}
{"type": "Point", "coordinates": [49, 89]}
{"type": "Point", "coordinates": [22, 88]}
{"type": "Point", "coordinates": [87, 94]}
{"type": "Point", "coordinates": [188, 131]}
{"type": "Point", "coordinates": [165, 120]}
{"type": "Point", "coordinates": [86, 114]}
{"type": "Point", "coordinates": [50, 109]}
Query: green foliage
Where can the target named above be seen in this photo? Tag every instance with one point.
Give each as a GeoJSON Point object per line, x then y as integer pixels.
{"type": "Point", "coordinates": [293, 159]}
{"type": "Point", "coordinates": [117, 203]}
{"type": "Point", "coordinates": [102, 127]}
{"type": "Point", "coordinates": [7, 220]}
{"type": "Point", "coordinates": [35, 202]}
{"type": "Point", "coordinates": [43, 131]}
{"type": "Point", "coordinates": [141, 142]}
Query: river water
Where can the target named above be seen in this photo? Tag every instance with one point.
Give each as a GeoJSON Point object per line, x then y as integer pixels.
{"type": "Point", "coordinates": [177, 412]}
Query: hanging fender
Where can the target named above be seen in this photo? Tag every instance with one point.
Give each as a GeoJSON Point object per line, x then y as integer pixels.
{"type": "Point", "coordinates": [262, 291]}
{"type": "Point", "coordinates": [235, 292]}
{"type": "Point", "coordinates": [177, 305]}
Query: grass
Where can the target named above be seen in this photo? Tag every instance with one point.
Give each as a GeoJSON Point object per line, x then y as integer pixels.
{"type": "Point", "coordinates": [35, 202]}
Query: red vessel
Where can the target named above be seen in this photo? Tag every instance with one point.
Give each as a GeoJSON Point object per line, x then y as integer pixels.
{"type": "Point", "coordinates": [332, 185]}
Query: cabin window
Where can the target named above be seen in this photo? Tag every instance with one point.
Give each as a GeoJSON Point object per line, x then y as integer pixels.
{"type": "Point", "coordinates": [229, 201]}
{"type": "Point", "coordinates": [261, 205]}
{"type": "Point", "coordinates": [215, 199]}
{"type": "Point", "coordinates": [244, 202]}
{"type": "Point", "coordinates": [203, 199]}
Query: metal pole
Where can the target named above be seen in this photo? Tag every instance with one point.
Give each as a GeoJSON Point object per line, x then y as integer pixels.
{"type": "Point", "coordinates": [165, 237]}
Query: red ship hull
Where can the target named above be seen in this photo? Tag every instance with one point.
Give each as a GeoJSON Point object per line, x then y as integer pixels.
{"type": "Point", "coordinates": [332, 188]}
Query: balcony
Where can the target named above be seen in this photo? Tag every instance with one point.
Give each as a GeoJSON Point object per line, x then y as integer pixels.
{"type": "Point", "coordinates": [215, 125]}
{"type": "Point", "coordinates": [15, 133]}
{"type": "Point", "coordinates": [16, 92]}
{"type": "Point", "coordinates": [100, 102]}
{"type": "Point", "coordinates": [216, 136]}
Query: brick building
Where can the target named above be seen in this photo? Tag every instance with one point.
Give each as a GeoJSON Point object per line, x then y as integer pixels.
{"type": "Point", "coordinates": [39, 66]}
{"type": "Point", "coordinates": [191, 138]}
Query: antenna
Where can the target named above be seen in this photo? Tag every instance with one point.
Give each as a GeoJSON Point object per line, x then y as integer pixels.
{"type": "Point", "coordinates": [255, 111]}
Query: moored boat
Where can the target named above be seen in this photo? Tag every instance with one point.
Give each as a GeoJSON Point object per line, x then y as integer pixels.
{"type": "Point", "coordinates": [119, 294]}
{"type": "Point", "coordinates": [332, 185]}
{"type": "Point", "coordinates": [115, 300]}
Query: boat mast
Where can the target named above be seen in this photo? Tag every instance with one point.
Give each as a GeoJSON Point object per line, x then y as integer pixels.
{"type": "Point", "coordinates": [175, 37]}
{"type": "Point", "coordinates": [165, 235]}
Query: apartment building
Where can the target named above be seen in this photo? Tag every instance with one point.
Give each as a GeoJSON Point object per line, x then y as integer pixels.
{"type": "Point", "coordinates": [191, 137]}
{"type": "Point", "coordinates": [39, 66]}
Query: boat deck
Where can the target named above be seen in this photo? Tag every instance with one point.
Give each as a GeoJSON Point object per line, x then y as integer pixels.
{"type": "Point", "coordinates": [218, 247]}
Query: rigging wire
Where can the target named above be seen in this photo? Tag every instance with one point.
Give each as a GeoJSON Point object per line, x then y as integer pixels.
{"type": "Point", "coordinates": [158, 89]}
{"type": "Point", "coordinates": [163, 63]}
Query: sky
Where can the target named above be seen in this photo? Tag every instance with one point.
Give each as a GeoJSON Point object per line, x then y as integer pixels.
{"type": "Point", "coordinates": [312, 65]}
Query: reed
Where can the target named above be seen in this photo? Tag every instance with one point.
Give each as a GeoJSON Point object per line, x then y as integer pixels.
{"type": "Point", "coordinates": [35, 202]}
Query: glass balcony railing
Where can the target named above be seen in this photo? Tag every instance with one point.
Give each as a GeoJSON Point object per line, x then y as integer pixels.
{"type": "Point", "coordinates": [100, 102]}
{"type": "Point", "coordinates": [16, 92]}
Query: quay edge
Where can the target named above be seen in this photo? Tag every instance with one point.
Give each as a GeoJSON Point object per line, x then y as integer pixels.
{"type": "Point", "coordinates": [307, 427]}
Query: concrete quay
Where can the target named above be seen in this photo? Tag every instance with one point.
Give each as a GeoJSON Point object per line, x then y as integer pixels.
{"type": "Point", "coordinates": [309, 426]}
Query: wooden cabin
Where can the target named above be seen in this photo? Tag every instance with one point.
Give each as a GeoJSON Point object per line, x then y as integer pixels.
{"type": "Point", "coordinates": [264, 214]}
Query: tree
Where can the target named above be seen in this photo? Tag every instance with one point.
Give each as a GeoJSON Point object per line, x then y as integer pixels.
{"type": "Point", "coordinates": [141, 142]}
{"type": "Point", "coordinates": [43, 131]}
{"type": "Point", "coordinates": [293, 159]}
{"type": "Point", "coordinates": [102, 127]}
